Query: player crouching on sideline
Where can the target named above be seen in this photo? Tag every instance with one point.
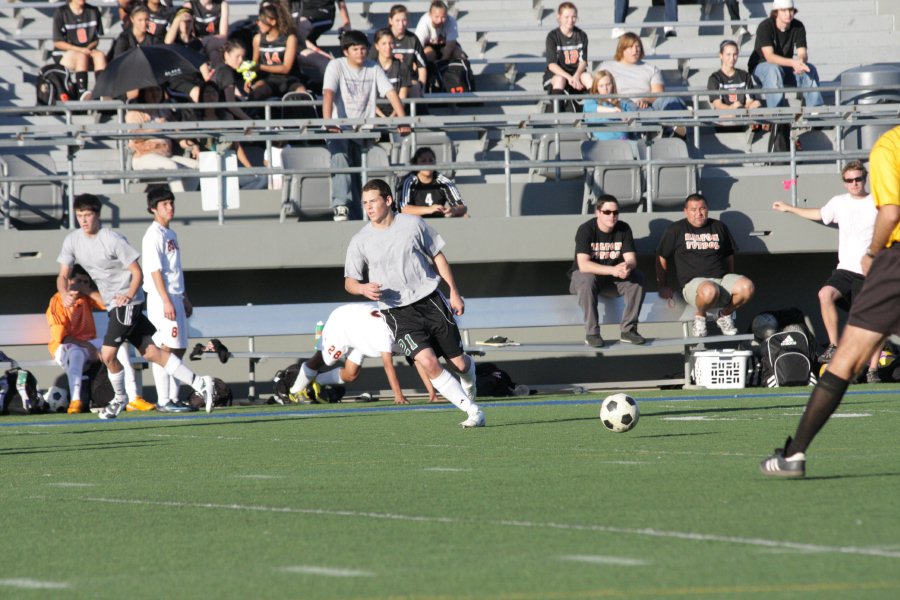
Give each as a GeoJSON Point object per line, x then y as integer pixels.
{"type": "Point", "coordinates": [72, 340]}
{"type": "Point", "coordinates": [112, 263]}
{"type": "Point", "coordinates": [352, 332]}
{"type": "Point", "coordinates": [390, 261]}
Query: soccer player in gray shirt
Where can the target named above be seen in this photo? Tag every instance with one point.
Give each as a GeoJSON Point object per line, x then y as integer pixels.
{"type": "Point", "coordinates": [390, 261]}
{"type": "Point", "coordinates": [113, 264]}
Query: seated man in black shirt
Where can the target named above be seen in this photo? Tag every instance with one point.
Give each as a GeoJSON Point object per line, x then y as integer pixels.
{"type": "Point", "coordinates": [606, 263]}
{"type": "Point", "coordinates": [427, 193]}
{"type": "Point", "coordinates": [703, 252]}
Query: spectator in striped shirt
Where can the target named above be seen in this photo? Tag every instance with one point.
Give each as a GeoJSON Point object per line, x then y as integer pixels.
{"type": "Point", "coordinates": [426, 193]}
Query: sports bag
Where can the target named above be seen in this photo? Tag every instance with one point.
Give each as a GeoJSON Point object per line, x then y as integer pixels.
{"type": "Point", "coordinates": [456, 76]}
{"type": "Point", "coordinates": [19, 394]}
{"type": "Point", "coordinates": [492, 381]}
{"type": "Point", "coordinates": [787, 357]}
{"type": "Point", "coordinates": [222, 395]}
{"type": "Point", "coordinates": [55, 84]}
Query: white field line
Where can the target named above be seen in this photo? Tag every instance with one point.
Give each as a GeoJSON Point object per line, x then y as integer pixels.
{"type": "Point", "coordinates": [446, 469]}
{"type": "Point", "coordinates": [72, 484]}
{"type": "Point", "coordinates": [647, 532]}
{"type": "Point", "coordinates": [253, 476]}
{"type": "Point", "coordinates": [703, 418]}
{"type": "Point", "coordinates": [604, 560]}
{"type": "Point", "coordinates": [326, 571]}
{"type": "Point", "coordinates": [34, 584]}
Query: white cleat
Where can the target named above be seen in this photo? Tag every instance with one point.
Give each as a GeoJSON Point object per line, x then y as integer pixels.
{"type": "Point", "coordinates": [112, 410]}
{"type": "Point", "coordinates": [476, 420]}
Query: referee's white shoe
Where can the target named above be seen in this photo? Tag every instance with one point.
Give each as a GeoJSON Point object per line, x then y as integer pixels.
{"type": "Point", "coordinates": [476, 420]}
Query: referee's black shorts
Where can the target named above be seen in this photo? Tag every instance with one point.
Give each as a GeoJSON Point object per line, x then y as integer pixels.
{"type": "Point", "coordinates": [876, 308]}
{"type": "Point", "coordinates": [128, 324]}
{"type": "Point", "coordinates": [426, 323]}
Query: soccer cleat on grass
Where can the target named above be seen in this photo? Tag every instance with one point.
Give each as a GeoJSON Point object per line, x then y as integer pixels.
{"type": "Point", "coordinates": [476, 420]}
{"type": "Point", "coordinates": [313, 393]}
{"type": "Point", "coordinates": [777, 465]}
{"type": "Point", "coordinates": [75, 407]}
{"type": "Point", "coordinates": [139, 404]}
{"type": "Point", "coordinates": [872, 376]}
{"type": "Point", "coordinates": [175, 407]}
{"type": "Point", "coordinates": [698, 327]}
{"type": "Point", "coordinates": [207, 389]}
{"type": "Point", "coordinates": [726, 324]}
{"type": "Point", "coordinates": [114, 408]}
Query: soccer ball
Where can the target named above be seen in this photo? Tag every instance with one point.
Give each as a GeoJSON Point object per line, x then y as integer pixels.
{"type": "Point", "coordinates": [619, 413]}
{"type": "Point", "coordinates": [57, 398]}
{"type": "Point", "coordinates": [764, 325]}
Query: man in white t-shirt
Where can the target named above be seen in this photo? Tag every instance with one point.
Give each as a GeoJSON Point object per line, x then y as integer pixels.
{"type": "Point", "coordinates": [168, 307]}
{"type": "Point", "coordinates": [352, 332]}
{"type": "Point", "coordinates": [854, 213]}
{"type": "Point", "coordinates": [351, 89]}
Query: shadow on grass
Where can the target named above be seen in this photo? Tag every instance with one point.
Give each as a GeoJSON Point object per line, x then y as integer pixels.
{"type": "Point", "coordinates": [170, 422]}
{"type": "Point", "coordinates": [724, 410]}
{"type": "Point", "coordinates": [88, 447]}
{"type": "Point", "coordinates": [543, 422]}
{"type": "Point", "coordinates": [673, 435]}
{"type": "Point", "coordinates": [849, 476]}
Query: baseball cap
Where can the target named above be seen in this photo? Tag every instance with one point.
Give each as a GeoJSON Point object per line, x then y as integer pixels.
{"type": "Point", "coordinates": [156, 194]}
{"type": "Point", "coordinates": [779, 4]}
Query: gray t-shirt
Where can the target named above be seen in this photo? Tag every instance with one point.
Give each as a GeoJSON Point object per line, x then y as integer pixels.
{"type": "Point", "coordinates": [355, 90]}
{"type": "Point", "coordinates": [105, 256]}
{"type": "Point", "coordinates": [633, 80]}
{"type": "Point", "coordinates": [399, 258]}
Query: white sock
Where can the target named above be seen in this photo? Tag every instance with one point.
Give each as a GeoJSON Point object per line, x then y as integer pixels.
{"type": "Point", "coordinates": [304, 376]}
{"type": "Point", "coordinates": [117, 380]}
{"type": "Point", "coordinates": [448, 387]}
{"type": "Point", "coordinates": [124, 357]}
{"type": "Point", "coordinates": [161, 380]}
{"type": "Point", "coordinates": [179, 371]}
{"type": "Point", "coordinates": [174, 385]}
{"type": "Point", "coordinates": [467, 378]}
{"type": "Point", "coordinates": [332, 377]}
{"type": "Point", "coordinates": [74, 368]}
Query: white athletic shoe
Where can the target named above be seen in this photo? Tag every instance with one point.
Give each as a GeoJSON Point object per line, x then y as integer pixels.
{"type": "Point", "coordinates": [207, 387]}
{"type": "Point", "coordinates": [698, 327]}
{"type": "Point", "coordinates": [617, 32]}
{"type": "Point", "coordinates": [112, 410]}
{"type": "Point", "coordinates": [476, 420]}
{"type": "Point", "coordinates": [726, 324]}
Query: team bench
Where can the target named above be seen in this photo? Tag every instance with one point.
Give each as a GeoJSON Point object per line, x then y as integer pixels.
{"type": "Point", "coordinates": [494, 315]}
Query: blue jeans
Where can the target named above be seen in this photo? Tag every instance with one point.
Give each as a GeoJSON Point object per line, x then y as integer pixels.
{"type": "Point", "coordinates": [775, 76]}
{"type": "Point", "coordinates": [344, 153]}
{"type": "Point", "coordinates": [621, 10]}
{"type": "Point", "coordinates": [661, 103]}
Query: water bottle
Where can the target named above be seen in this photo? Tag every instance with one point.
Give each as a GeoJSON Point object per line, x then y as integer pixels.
{"type": "Point", "coordinates": [21, 381]}
{"type": "Point", "coordinates": [318, 341]}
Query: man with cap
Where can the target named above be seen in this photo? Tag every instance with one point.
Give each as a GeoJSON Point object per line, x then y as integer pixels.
{"type": "Point", "coordinates": [778, 39]}
{"type": "Point", "coordinates": [351, 90]}
{"type": "Point", "coordinates": [168, 307]}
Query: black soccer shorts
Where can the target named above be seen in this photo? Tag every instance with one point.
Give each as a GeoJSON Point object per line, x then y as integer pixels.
{"type": "Point", "coordinates": [426, 323]}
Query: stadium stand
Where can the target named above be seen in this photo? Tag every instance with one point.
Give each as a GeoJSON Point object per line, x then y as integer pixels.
{"type": "Point", "coordinates": [496, 142]}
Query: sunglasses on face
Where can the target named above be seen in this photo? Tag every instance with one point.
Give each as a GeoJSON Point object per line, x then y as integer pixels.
{"type": "Point", "coordinates": [855, 180]}
{"type": "Point", "coordinates": [615, 213]}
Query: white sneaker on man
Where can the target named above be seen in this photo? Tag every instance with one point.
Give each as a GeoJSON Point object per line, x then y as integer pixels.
{"type": "Point", "coordinates": [726, 324]}
{"type": "Point", "coordinates": [617, 32]}
{"type": "Point", "coordinates": [698, 327]}
{"type": "Point", "coordinates": [115, 406]}
{"type": "Point", "coordinates": [476, 420]}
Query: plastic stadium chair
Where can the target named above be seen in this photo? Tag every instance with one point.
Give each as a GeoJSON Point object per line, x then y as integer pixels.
{"type": "Point", "coordinates": [32, 204]}
{"type": "Point", "coordinates": [307, 196]}
{"type": "Point", "coordinates": [438, 141]}
{"type": "Point", "coordinates": [569, 149]}
{"type": "Point", "coordinates": [623, 182]}
{"type": "Point", "coordinates": [378, 165]}
{"type": "Point", "coordinates": [670, 184]}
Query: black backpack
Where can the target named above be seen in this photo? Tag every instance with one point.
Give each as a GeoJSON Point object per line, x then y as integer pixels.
{"type": "Point", "coordinates": [19, 394]}
{"type": "Point", "coordinates": [285, 378]}
{"type": "Point", "coordinates": [787, 357]}
{"type": "Point", "coordinates": [222, 395]}
{"type": "Point", "coordinates": [55, 83]}
{"type": "Point", "coordinates": [492, 381]}
{"type": "Point", "coordinates": [455, 76]}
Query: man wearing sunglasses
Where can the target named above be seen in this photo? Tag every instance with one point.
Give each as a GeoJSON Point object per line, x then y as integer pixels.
{"type": "Point", "coordinates": [605, 263]}
{"type": "Point", "coordinates": [854, 213]}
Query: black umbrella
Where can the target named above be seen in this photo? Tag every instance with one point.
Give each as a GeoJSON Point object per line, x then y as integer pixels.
{"type": "Point", "coordinates": [146, 66]}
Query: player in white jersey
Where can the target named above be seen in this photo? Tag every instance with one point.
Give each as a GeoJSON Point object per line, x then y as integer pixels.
{"type": "Point", "coordinates": [168, 307]}
{"type": "Point", "coordinates": [353, 332]}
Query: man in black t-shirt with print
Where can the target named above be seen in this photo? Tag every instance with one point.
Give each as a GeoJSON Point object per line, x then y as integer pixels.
{"type": "Point", "coordinates": [702, 250]}
{"type": "Point", "coordinates": [773, 63]}
{"type": "Point", "coordinates": [605, 263]}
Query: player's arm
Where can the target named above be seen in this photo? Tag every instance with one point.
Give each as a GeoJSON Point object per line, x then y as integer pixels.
{"type": "Point", "coordinates": [160, 285]}
{"type": "Point", "coordinates": [885, 222]}
{"type": "Point", "coordinates": [223, 20]}
{"type": "Point", "coordinates": [62, 286]}
{"type": "Point", "coordinates": [345, 16]}
{"type": "Point", "coordinates": [137, 278]}
{"type": "Point", "coordinates": [443, 268]}
{"type": "Point", "coordinates": [813, 214]}
{"type": "Point", "coordinates": [391, 372]}
{"type": "Point", "coordinates": [370, 290]}
{"type": "Point", "coordinates": [662, 278]}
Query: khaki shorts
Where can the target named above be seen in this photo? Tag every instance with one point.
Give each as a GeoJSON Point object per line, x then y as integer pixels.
{"type": "Point", "coordinates": [726, 284]}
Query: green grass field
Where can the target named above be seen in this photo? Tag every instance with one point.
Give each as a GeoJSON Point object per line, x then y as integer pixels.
{"type": "Point", "coordinates": [376, 502]}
